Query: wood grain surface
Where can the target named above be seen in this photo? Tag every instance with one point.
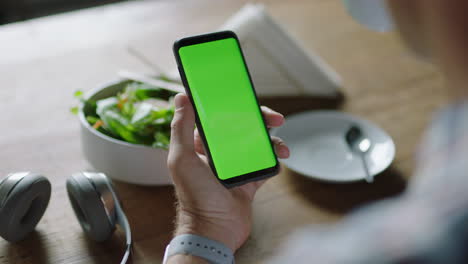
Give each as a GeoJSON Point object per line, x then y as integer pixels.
{"type": "Point", "coordinates": [43, 61]}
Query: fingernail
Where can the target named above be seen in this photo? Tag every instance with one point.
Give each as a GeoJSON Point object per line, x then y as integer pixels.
{"type": "Point", "coordinates": [274, 112]}
{"type": "Point", "coordinates": [280, 114]}
{"type": "Point", "coordinates": [284, 151]}
{"type": "Point", "coordinates": [282, 119]}
{"type": "Point", "coordinates": [179, 101]}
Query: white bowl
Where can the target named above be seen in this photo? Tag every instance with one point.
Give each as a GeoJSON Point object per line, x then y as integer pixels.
{"type": "Point", "coordinates": [120, 160]}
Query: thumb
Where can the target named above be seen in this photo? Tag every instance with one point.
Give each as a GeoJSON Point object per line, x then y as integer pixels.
{"type": "Point", "coordinates": [182, 127]}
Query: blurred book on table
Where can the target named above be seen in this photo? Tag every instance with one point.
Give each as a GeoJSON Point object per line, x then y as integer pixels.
{"type": "Point", "coordinates": [279, 64]}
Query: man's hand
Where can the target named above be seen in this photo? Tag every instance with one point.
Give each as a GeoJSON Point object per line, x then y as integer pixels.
{"type": "Point", "coordinates": [205, 206]}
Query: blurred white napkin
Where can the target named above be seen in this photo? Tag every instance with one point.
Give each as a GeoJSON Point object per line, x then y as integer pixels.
{"type": "Point", "coordinates": [278, 63]}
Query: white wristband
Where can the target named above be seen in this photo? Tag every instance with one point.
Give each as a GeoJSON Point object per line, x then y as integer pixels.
{"type": "Point", "coordinates": [212, 251]}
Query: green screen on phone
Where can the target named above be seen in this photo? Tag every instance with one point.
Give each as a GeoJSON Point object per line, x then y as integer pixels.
{"type": "Point", "coordinates": [227, 108]}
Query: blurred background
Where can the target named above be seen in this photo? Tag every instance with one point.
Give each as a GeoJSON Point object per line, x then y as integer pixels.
{"type": "Point", "coordinates": [44, 62]}
{"type": "Point", "coordinates": [19, 10]}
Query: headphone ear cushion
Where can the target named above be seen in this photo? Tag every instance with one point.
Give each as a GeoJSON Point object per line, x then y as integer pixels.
{"type": "Point", "coordinates": [89, 209]}
{"type": "Point", "coordinates": [24, 206]}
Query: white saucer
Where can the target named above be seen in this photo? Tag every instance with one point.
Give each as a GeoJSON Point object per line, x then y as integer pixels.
{"type": "Point", "coordinates": [319, 150]}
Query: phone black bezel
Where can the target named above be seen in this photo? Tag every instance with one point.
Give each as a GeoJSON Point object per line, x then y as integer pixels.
{"type": "Point", "coordinates": [241, 179]}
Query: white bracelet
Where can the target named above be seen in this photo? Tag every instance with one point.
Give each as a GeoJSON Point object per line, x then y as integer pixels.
{"type": "Point", "coordinates": [212, 251]}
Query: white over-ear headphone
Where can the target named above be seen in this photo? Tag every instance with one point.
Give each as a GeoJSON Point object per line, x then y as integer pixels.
{"type": "Point", "coordinates": [371, 13]}
{"type": "Point", "coordinates": [24, 197]}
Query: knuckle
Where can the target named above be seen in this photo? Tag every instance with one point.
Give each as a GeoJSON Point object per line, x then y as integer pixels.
{"type": "Point", "coordinates": [180, 160]}
{"type": "Point", "coordinates": [173, 165]}
{"type": "Point", "coordinates": [176, 122]}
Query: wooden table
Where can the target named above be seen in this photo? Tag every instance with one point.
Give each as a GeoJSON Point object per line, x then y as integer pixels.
{"type": "Point", "coordinates": [42, 62]}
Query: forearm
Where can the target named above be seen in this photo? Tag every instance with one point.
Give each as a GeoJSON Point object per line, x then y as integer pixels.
{"type": "Point", "coordinates": [185, 259]}
{"type": "Point", "coordinates": [189, 224]}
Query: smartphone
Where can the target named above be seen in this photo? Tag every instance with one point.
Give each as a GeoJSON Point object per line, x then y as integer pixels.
{"type": "Point", "coordinates": [228, 117]}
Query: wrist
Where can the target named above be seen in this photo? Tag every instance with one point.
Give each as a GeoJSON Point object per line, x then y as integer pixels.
{"type": "Point", "coordinates": [188, 223]}
{"type": "Point", "coordinates": [183, 259]}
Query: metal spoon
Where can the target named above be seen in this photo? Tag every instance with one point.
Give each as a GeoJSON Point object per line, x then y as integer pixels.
{"type": "Point", "coordinates": [360, 144]}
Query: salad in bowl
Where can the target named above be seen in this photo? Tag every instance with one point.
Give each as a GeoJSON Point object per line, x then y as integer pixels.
{"type": "Point", "coordinates": [125, 130]}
